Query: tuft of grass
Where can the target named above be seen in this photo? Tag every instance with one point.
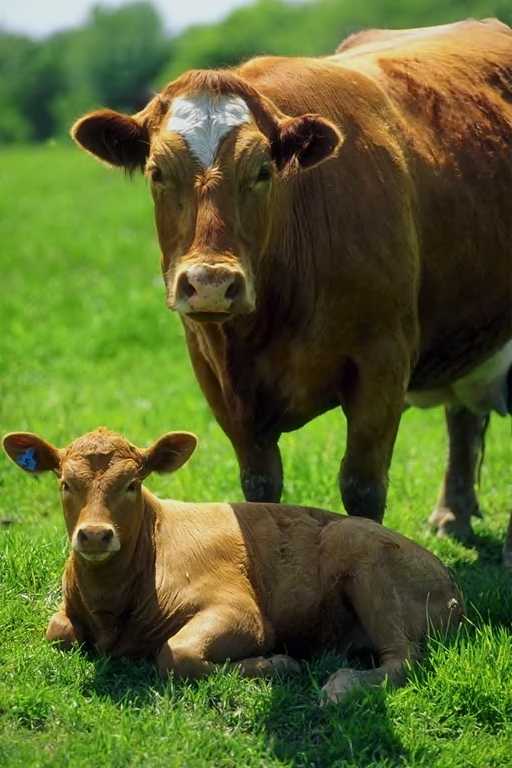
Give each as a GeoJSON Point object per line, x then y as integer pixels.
{"type": "Point", "coordinates": [86, 340]}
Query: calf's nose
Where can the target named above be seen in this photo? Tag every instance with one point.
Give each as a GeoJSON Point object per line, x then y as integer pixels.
{"type": "Point", "coordinates": [204, 288]}
{"type": "Point", "coordinates": [95, 535]}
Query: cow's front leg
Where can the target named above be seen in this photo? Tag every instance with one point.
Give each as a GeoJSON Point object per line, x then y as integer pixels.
{"type": "Point", "coordinates": [457, 500]}
{"type": "Point", "coordinates": [211, 637]}
{"type": "Point", "coordinates": [373, 401]}
{"type": "Point", "coordinates": [261, 470]}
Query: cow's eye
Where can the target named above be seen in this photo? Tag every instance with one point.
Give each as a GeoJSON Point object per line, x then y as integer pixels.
{"type": "Point", "coordinates": [132, 487]}
{"type": "Point", "coordinates": [265, 173]}
{"type": "Point", "coordinates": [64, 486]}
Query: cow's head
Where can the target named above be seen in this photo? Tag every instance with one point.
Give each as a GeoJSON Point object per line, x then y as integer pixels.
{"type": "Point", "coordinates": [100, 476]}
{"type": "Point", "coordinates": [218, 155]}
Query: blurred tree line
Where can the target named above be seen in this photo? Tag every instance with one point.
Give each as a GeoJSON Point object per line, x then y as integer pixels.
{"type": "Point", "coordinates": [120, 56]}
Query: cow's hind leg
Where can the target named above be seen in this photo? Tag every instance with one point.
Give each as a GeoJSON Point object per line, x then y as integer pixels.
{"type": "Point", "coordinates": [457, 500]}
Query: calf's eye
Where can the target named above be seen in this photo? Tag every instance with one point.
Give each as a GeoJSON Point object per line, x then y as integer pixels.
{"type": "Point", "coordinates": [64, 486]}
{"type": "Point", "coordinates": [132, 487]}
{"type": "Point", "coordinates": [156, 175]}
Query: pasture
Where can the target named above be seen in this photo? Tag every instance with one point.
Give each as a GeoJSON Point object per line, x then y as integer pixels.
{"type": "Point", "coordinates": [86, 340]}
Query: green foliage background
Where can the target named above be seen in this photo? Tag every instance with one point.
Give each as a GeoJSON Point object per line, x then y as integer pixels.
{"type": "Point", "coordinates": [119, 56]}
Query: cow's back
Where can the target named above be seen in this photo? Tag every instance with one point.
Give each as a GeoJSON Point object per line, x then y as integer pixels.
{"type": "Point", "coordinates": [452, 89]}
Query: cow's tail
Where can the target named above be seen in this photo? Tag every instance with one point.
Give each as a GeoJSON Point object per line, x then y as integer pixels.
{"type": "Point", "coordinates": [481, 458]}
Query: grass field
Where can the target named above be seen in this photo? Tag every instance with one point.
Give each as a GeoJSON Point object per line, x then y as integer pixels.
{"type": "Point", "coordinates": [86, 340]}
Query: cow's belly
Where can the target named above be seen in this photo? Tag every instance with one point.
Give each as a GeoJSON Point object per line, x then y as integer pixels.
{"type": "Point", "coordinates": [482, 390]}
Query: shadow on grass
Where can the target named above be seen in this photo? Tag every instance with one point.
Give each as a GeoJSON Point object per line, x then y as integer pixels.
{"type": "Point", "coordinates": [295, 728]}
{"type": "Point", "coordinates": [123, 680]}
{"type": "Point", "coordinates": [486, 584]}
{"type": "Point", "coordinates": [357, 732]}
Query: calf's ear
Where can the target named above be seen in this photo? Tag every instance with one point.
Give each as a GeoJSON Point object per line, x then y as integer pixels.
{"type": "Point", "coordinates": [31, 453]}
{"type": "Point", "coordinates": [169, 452]}
{"type": "Point", "coordinates": [306, 140]}
{"type": "Point", "coordinates": [115, 138]}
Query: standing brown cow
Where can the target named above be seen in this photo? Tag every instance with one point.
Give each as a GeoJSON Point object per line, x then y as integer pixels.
{"type": "Point", "coordinates": [338, 231]}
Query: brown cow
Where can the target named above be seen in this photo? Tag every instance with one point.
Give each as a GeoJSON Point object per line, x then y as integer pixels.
{"type": "Point", "coordinates": [338, 231]}
{"type": "Point", "coordinates": [193, 585]}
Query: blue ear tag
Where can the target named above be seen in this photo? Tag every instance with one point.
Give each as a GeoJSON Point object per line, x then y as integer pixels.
{"type": "Point", "coordinates": [27, 459]}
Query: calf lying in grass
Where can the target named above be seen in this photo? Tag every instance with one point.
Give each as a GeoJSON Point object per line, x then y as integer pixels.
{"type": "Point", "coordinates": [193, 585]}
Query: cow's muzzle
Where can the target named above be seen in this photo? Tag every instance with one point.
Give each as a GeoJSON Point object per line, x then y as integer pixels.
{"type": "Point", "coordinates": [211, 292]}
{"type": "Point", "coordinates": [96, 542]}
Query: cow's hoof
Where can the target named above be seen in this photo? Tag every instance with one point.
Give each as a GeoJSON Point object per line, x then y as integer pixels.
{"type": "Point", "coordinates": [260, 488]}
{"type": "Point", "coordinates": [448, 525]}
{"type": "Point", "coordinates": [339, 685]}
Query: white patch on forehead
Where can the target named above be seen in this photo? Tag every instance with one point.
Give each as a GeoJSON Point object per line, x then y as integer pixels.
{"type": "Point", "coordinates": [204, 119]}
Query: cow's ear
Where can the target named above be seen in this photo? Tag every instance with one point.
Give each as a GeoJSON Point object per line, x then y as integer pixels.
{"type": "Point", "coordinates": [307, 140]}
{"type": "Point", "coordinates": [115, 138]}
{"type": "Point", "coordinates": [31, 453]}
{"type": "Point", "coordinates": [169, 452]}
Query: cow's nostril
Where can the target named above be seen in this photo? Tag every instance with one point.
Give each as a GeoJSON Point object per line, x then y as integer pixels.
{"type": "Point", "coordinates": [82, 536]}
{"type": "Point", "coordinates": [233, 290]}
{"type": "Point", "coordinates": [186, 288]}
{"type": "Point", "coordinates": [107, 536]}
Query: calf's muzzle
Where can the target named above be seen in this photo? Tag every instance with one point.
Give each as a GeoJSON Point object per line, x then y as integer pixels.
{"type": "Point", "coordinates": [212, 290]}
{"type": "Point", "coordinates": [95, 541]}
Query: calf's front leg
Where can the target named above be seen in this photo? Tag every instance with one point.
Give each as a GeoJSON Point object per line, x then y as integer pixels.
{"type": "Point", "coordinates": [214, 636]}
{"type": "Point", "coordinates": [62, 631]}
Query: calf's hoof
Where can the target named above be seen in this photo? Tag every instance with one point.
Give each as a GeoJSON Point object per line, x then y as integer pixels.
{"type": "Point", "coordinates": [261, 666]}
{"type": "Point", "coordinates": [339, 685]}
{"type": "Point", "coordinates": [448, 525]}
{"type": "Point", "coordinates": [61, 632]}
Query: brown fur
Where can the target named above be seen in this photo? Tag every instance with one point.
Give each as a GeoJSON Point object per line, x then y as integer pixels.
{"type": "Point", "coordinates": [363, 276]}
{"type": "Point", "coordinates": [192, 585]}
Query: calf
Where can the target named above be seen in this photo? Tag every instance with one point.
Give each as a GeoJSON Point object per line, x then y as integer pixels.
{"type": "Point", "coordinates": [193, 585]}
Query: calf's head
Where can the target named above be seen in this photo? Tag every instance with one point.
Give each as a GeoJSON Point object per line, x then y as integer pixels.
{"type": "Point", "coordinates": [100, 476]}
{"type": "Point", "coordinates": [217, 153]}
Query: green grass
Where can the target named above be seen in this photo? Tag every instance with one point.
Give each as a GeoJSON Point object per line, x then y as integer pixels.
{"type": "Point", "coordinates": [86, 340]}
